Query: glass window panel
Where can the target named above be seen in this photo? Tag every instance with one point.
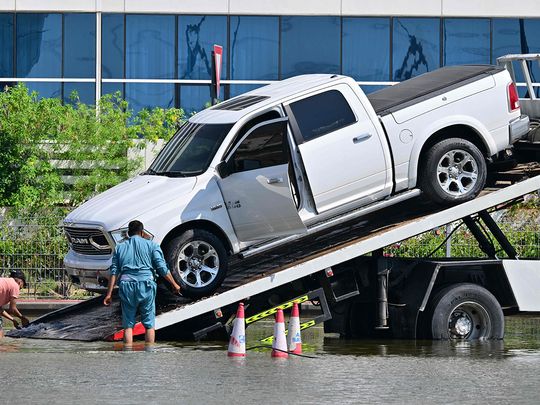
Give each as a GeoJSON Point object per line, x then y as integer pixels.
{"type": "Point", "coordinates": [466, 40]}
{"type": "Point", "coordinates": [112, 88]}
{"type": "Point", "coordinates": [6, 50]}
{"type": "Point", "coordinates": [321, 114]}
{"type": "Point", "coordinates": [237, 89]}
{"type": "Point", "coordinates": [254, 47]}
{"type": "Point", "coordinates": [86, 93]}
{"type": "Point", "coordinates": [150, 46]}
{"type": "Point", "coordinates": [309, 45]}
{"type": "Point", "coordinates": [194, 98]}
{"type": "Point", "coordinates": [366, 48]}
{"type": "Point", "coordinates": [39, 45]}
{"type": "Point", "coordinates": [45, 90]}
{"type": "Point", "coordinates": [112, 46]}
{"type": "Point", "coordinates": [196, 36]}
{"type": "Point", "coordinates": [149, 95]}
{"type": "Point", "coordinates": [517, 36]}
{"type": "Point", "coordinates": [262, 148]}
{"type": "Point", "coordinates": [79, 45]}
{"type": "Point", "coordinates": [415, 46]}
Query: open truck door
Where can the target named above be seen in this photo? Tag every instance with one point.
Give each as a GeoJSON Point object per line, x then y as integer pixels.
{"type": "Point", "coordinates": [254, 181]}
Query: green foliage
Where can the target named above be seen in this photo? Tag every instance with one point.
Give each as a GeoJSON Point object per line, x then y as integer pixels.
{"type": "Point", "coordinates": [62, 154]}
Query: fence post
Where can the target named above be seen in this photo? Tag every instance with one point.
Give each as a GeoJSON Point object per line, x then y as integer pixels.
{"type": "Point", "coordinates": [449, 229]}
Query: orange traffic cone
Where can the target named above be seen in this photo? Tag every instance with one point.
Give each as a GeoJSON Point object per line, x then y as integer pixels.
{"type": "Point", "coordinates": [279, 344]}
{"type": "Point", "coordinates": [294, 339]}
{"type": "Point", "coordinates": [237, 343]}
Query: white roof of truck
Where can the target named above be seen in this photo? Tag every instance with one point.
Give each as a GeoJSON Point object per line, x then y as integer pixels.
{"type": "Point", "coordinates": [235, 108]}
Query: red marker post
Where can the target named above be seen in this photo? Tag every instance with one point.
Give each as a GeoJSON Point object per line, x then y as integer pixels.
{"type": "Point", "coordinates": [217, 60]}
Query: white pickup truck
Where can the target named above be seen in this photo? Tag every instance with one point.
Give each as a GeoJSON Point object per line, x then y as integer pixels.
{"type": "Point", "coordinates": [289, 157]}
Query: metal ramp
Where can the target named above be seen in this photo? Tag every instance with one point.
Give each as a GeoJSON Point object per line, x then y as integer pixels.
{"type": "Point", "coordinates": [275, 268]}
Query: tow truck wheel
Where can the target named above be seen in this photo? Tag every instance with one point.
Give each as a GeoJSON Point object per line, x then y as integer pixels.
{"type": "Point", "coordinates": [198, 262]}
{"type": "Point", "coordinates": [454, 171]}
{"type": "Point", "coordinates": [466, 312]}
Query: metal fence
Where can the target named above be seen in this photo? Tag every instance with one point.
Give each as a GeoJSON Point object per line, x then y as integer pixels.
{"type": "Point", "coordinates": [36, 245]}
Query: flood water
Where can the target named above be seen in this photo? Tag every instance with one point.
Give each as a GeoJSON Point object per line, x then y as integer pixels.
{"type": "Point", "coordinates": [404, 372]}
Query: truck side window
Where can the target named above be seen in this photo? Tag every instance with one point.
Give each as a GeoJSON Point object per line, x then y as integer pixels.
{"type": "Point", "coordinates": [321, 114]}
{"type": "Point", "coordinates": [264, 147]}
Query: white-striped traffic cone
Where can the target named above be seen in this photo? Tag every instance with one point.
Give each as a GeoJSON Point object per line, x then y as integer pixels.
{"type": "Point", "coordinates": [237, 342]}
{"type": "Point", "coordinates": [280, 341]}
{"type": "Point", "coordinates": [294, 339]}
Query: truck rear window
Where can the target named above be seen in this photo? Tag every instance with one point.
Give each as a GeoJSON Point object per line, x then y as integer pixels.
{"type": "Point", "coordinates": [321, 114]}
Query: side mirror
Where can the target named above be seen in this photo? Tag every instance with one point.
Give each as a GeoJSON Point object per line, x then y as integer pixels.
{"type": "Point", "coordinates": [223, 169]}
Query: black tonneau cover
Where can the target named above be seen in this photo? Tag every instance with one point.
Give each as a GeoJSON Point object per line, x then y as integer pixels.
{"type": "Point", "coordinates": [423, 87]}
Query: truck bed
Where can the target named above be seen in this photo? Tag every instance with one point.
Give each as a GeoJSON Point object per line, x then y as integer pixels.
{"type": "Point", "coordinates": [428, 85]}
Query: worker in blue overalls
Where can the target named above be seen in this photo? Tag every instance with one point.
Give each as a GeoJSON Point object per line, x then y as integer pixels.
{"type": "Point", "coordinates": [133, 265]}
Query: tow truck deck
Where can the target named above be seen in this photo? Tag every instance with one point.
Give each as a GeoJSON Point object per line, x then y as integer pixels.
{"type": "Point", "coordinates": [260, 275]}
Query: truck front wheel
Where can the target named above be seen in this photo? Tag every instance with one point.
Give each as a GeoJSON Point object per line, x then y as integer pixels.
{"type": "Point", "coordinates": [198, 262]}
{"type": "Point", "coordinates": [466, 312]}
{"type": "Point", "coordinates": [453, 171]}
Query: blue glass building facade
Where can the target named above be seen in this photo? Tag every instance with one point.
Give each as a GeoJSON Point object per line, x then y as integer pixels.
{"type": "Point", "coordinates": [165, 59]}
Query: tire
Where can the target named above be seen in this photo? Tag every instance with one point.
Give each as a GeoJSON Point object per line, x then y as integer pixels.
{"type": "Point", "coordinates": [198, 262]}
{"type": "Point", "coordinates": [466, 312]}
{"type": "Point", "coordinates": [453, 171]}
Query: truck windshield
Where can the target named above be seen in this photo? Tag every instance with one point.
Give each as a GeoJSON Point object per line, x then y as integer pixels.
{"type": "Point", "coordinates": [190, 150]}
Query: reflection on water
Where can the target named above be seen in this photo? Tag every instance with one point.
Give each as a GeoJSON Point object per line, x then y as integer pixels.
{"type": "Point", "coordinates": [341, 372]}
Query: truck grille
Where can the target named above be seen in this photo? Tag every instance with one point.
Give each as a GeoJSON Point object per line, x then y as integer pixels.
{"type": "Point", "coordinates": [88, 241]}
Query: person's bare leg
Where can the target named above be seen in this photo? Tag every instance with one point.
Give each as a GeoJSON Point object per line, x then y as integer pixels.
{"type": "Point", "coordinates": [1, 333]}
{"type": "Point", "coordinates": [150, 336]}
{"type": "Point", "coordinates": [128, 336]}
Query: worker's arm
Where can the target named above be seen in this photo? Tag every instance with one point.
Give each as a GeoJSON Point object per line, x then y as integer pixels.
{"type": "Point", "coordinates": [108, 297]}
{"type": "Point", "coordinates": [6, 315]}
{"type": "Point", "coordinates": [14, 311]}
{"type": "Point", "coordinates": [161, 267]}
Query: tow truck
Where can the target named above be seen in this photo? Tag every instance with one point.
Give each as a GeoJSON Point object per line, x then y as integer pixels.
{"type": "Point", "coordinates": [360, 291]}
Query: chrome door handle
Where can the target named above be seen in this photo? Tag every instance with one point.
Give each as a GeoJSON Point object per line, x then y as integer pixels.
{"type": "Point", "coordinates": [275, 180]}
{"type": "Point", "coordinates": [361, 138]}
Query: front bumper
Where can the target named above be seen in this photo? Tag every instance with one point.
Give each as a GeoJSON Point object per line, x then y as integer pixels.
{"type": "Point", "coordinates": [90, 272]}
{"type": "Point", "coordinates": [519, 128]}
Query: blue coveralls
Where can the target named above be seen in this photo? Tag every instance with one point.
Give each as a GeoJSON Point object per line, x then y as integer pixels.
{"type": "Point", "coordinates": [133, 263]}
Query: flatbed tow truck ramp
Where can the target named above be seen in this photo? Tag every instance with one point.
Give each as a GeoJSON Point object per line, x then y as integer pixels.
{"type": "Point", "coordinates": [363, 295]}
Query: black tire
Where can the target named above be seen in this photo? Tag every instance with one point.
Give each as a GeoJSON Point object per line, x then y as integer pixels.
{"type": "Point", "coordinates": [465, 312]}
{"type": "Point", "coordinates": [453, 171]}
{"type": "Point", "coordinates": [190, 257]}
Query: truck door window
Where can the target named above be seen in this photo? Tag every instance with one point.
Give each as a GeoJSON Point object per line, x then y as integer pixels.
{"type": "Point", "coordinates": [264, 147]}
{"type": "Point", "coordinates": [321, 114]}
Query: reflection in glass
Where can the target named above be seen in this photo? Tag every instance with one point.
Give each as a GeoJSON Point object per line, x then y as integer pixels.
{"type": "Point", "coordinates": [309, 45]}
{"type": "Point", "coordinates": [45, 90]}
{"type": "Point", "coordinates": [112, 46]}
{"type": "Point", "coordinates": [366, 48]}
{"type": "Point", "coordinates": [39, 45]}
{"type": "Point", "coordinates": [112, 88]}
{"type": "Point", "coordinates": [86, 93]}
{"type": "Point", "coordinates": [149, 95]}
{"type": "Point", "coordinates": [194, 98]}
{"type": "Point", "coordinates": [512, 36]}
{"type": "Point", "coordinates": [254, 47]}
{"type": "Point", "coordinates": [416, 48]}
{"type": "Point", "coordinates": [196, 37]}
{"type": "Point", "coordinates": [79, 45]}
{"type": "Point", "coordinates": [150, 46]}
{"type": "Point", "coordinates": [6, 50]}
{"type": "Point", "coordinates": [466, 40]}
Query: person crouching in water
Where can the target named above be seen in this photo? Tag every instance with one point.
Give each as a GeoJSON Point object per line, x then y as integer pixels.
{"type": "Point", "coordinates": [133, 265]}
{"type": "Point", "coordinates": [9, 292]}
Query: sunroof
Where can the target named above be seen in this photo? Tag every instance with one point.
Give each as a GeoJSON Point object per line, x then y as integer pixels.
{"type": "Point", "coordinates": [239, 103]}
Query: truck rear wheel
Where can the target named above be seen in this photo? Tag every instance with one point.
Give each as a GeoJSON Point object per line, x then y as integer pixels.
{"type": "Point", "coordinates": [454, 171]}
{"type": "Point", "coordinates": [198, 262]}
{"type": "Point", "coordinates": [466, 312]}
